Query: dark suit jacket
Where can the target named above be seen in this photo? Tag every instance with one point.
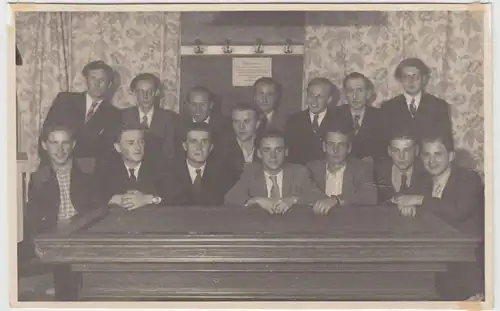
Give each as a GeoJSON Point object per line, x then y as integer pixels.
{"type": "Point", "coordinates": [419, 181]}
{"type": "Point", "coordinates": [215, 183]}
{"type": "Point", "coordinates": [114, 178]}
{"type": "Point", "coordinates": [278, 122]}
{"type": "Point", "coordinates": [433, 116]}
{"type": "Point", "coordinates": [296, 182]}
{"type": "Point", "coordinates": [303, 144]}
{"type": "Point", "coordinates": [368, 142]}
{"type": "Point", "coordinates": [94, 138]}
{"type": "Point", "coordinates": [357, 185]}
{"type": "Point", "coordinates": [165, 130]}
{"type": "Point", "coordinates": [44, 196]}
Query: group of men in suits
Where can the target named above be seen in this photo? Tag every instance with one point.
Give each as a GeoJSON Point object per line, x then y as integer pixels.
{"type": "Point", "coordinates": [327, 156]}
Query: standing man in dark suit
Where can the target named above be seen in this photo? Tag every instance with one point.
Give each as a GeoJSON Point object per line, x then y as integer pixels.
{"type": "Point", "coordinates": [364, 120]}
{"type": "Point", "coordinates": [239, 148]}
{"type": "Point", "coordinates": [200, 108]}
{"type": "Point", "coordinates": [274, 185]}
{"type": "Point", "coordinates": [423, 113]}
{"type": "Point", "coordinates": [456, 195]}
{"type": "Point", "coordinates": [198, 178]}
{"type": "Point", "coordinates": [305, 129]}
{"type": "Point", "coordinates": [161, 125]}
{"type": "Point", "coordinates": [403, 173]}
{"type": "Point", "coordinates": [59, 189]}
{"type": "Point", "coordinates": [134, 180]}
{"type": "Point", "coordinates": [345, 180]}
{"type": "Point", "coordinates": [90, 115]}
{"type": "Point", "coordinates": [267, 96]}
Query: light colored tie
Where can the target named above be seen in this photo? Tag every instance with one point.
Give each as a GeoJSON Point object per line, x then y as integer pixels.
{"type": "Point", "coordinates": [144, 122]}
{"type": "Point", "coordinates": [413, 107]}
{"type": "Point", "coordinates": [275, 189]}
{"type": "Point", "coordinates": [91, 112]}
{"type": "Point", "coordinates": [356, 126]}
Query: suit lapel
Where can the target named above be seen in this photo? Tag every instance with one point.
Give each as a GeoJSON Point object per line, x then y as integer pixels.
{"type": "Point", "coordinates": [156, 126]}
{"type": "Point", "coordinates": [260, 183]}
{"type": "Point", "coordinates": [287, 182]}
{"type": "Point", "coordinates": [348, 179]}
{"type": "Point", "coordinates": [81, 107]}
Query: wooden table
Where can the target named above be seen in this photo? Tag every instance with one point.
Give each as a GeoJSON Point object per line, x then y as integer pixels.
{"type": "Point", "coordinates": [233, 253]}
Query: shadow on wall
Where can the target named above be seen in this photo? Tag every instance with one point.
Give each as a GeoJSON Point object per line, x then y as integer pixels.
{"type": "Point", "coordinates": [465, 159]}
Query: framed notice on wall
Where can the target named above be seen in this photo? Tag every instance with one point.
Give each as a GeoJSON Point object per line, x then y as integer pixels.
{"type": "Point", "coordinates": [246, 70]}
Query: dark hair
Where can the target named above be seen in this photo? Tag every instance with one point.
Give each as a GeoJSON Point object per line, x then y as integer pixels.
{"type": "Point", "coordinates": [334, 90]}
{"type": "Point", "coordinates": [146, 76]}
{"type": "Point", "coordinates": [338, 129]}
{"type": "Point", "coordinates": [357, 75]}
{"type": "Point", "coordinates": [197, 126]}
{"type": "Point", "coordinates": [200, 89]}
{"type": "Point", "coordinates": [270, 81]}
{"type": "Point", "coordinates": [411, 62]}
{"type": "Point", "coordinates": [125, 128]}
{"type": "Point", "coordinates": [445, 139]}
{"type": "Point", "coordinates": [49, 129]}
{"type": "Point", "coordinates": [271, 133]}
{"type": "Point", "coordinates": [98, 64]}
{"type": "Point", "coordinates": [403, 133]}
{"type": "Point", "coordinates": [244, 106]}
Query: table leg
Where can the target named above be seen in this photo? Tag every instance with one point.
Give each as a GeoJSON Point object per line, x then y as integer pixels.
{"type": "Point", "coordinates": [67, 283]}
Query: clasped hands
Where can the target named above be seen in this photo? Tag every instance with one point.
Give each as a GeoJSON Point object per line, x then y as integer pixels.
{"type": "Point", "coordinates": [132, 199]}
{"type": "Point", "coordinates": [274, 207]}
{"type": "Point", "coordinates": [407, 204]}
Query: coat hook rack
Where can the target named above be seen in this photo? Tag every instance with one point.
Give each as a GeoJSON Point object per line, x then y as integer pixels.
{"type": "Point", "coordinates": [288, 46]}
{"type": "Point", "coordinates": [258, 46]}
{"type": "Point", "coordinates": [227, 47]}
{"type": "Point", "coordinates": [198, 49]}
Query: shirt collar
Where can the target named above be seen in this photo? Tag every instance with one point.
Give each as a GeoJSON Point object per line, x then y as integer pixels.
{"type": "Point", "coordinates": [149, 114]}
{"type": "Point", "coordinates": [193, 169]}
{"type": "Point", "coordinates": [90, 100]}
{"type": "Point", "coordinates": [136, 169]}
{"type": "Point", "coordinates": [338, 171]}
{"type": "Point", "coordinates": [321, 116]}
{"type": "Point", "coordinates": [360, 114]}
{"type": "Point", "coordinates": [442, 179]}
{"type": "Point", "coordinates": [65, 169]}
{"type": "Point", "coordinates": [408, 172]}
{"type": "Point", "coordinates": [207, 120]}
{"type": "Point", "coordinates": [409, 97]}
{"type": "Point", "coordinates": [279, 175]}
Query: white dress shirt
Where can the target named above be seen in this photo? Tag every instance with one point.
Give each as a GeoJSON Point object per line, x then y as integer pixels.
{"type": "Point", "coordinates": [321, 116]}
{"type": "Point", "coordinates": [439, 183]}
{"type": "Point", "coordinates": [269, 116]}
{"type": "Point", "coordinates": [88, 103]}
{"type": "Point", "coordinates": [269, 183]}
{"type": "Point", "coordinates": [360, 114]}
{"type": "Point", "coordinates": [149, 115]}
{"type": "Point", "coordinates": [409, 97]}
{"type": "Point", "coordinates": [136, 170]}
{"type": "Point", "coordinates": [247, 156]}
{"type": "Point", "coordinates": [192, 171]}
{"type": "Point", "coordinates": [334, 181]}
{"type": "Point", "coordinates": [207, 120]}
{"type": "Point", "coordinates": [396, 177]}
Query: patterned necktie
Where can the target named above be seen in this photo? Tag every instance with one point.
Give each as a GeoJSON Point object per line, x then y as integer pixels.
{"type": "Point", "coordinates": [144, 122]}
{"type": "Point", "coordinates": [275, 189]}
{"type": "Point", "coordinates": [315, 123]}
{"type": "Point", "coordinates": [404, 184]}
{"type": "Point", "coordinates": [356, 125]}
{"type": "Point", "coordinates": [413, 107]}
{"type": "Point", "coordinates": [91, 112]}
{"type": "Point", "coordinates": [197, 182]}
{"type": "Point", "coordinates": [132, 177]}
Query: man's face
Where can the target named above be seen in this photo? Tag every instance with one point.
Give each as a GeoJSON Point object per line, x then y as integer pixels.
{"type": "Point", "coordinates": [318, 97]}
{"type": "Point", "coordinates": [436, 158]}
{"type": "Point", "coordinates": [98, 83]}
{"type": "Point", "coordinates": [197, 146]}
{"type": "Point", "coordinates": [199, 106]}
{"type": "Point", "coordinates": [59, 147]}
{"type": "Point", "coordinates": [403, 153]}
{"type": "Point", "coordinates": [272, 151]}
{"type": "Point", "coordinates": [131, 146]}
{"type": "Point", "coordinates": [145, 93]}
{"type": "Point", "coordinates": [245, 124]}
{"type": "Point", "coordinates": [356, 93]}
{"type": "Point", "coordinates": [336, 147]}
{"type": "Point", "coordinates": [266, 96]}
{"type": "Point", "coordinates": [411, 80]}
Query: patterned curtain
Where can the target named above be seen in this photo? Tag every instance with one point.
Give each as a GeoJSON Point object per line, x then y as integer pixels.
{"type": "Point", "coordinates": [450, 43]}
{"type": "Point", "coordinates": [56, 46]}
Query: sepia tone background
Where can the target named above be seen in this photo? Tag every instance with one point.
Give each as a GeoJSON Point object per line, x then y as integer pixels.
{"type": "Point", "coordinates": [56, 46]}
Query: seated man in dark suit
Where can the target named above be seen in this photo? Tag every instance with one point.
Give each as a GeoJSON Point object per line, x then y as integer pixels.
{"type": "Point", "coordinates": [345, 180]}
{"type": "Point", "coordinates": [456, 195]}
{"type": "Point", "coordinates": [198, 178]}
{"type": "Point", "coordinates": [423, 113]}
{"type": "Point", "coordinates": [403, 173]}
{"type": "Point", "coordinates": [90, 115]}
{"type": "Point", "coordinates": [239, 148]}
{"type": "Point", "coordinates": [364, 120]}
{"type": "Point", "coordinates": [59, 189]}
{"type": "Point", "coordinates": [273, 184]}
{"type": "Point", "coordinates": [201, 108]}
{"type": "Point", "coordinates": [162, 125]}
{"type": "Point", "coordinates": [267, 96]}
{"type": "Point", "coordinates": [134, 180]}
{"type": "Point", "coordinates": [305, 129]}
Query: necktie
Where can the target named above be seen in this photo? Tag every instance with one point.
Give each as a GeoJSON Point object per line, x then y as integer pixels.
{"type": "Point", "coordinates": [404, 184]}
{"type": "Point", "coordinates": [275, 189]}
{"type": "Point", "coordinates": [144, 122]}
{"type": "Point", "coordinates": [132, 177]}
{"type": "Point", "coordinates": [413, 107]}
{"type": "Point", "coordinates": [356, 125]}
{"type": "Point", "coordinates": [315, 124]}
{"type": "Point", "coordinates": [197, 182]}
{"type": "Point", "coordinates": [91, 112]}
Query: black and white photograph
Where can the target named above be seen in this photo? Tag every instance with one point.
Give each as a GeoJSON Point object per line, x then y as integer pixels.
{"type": "Point", "coordinates": [252, 153]}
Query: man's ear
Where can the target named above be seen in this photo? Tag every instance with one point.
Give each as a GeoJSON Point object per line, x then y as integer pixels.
{"type": "Point", "coordinates": [259, 154]}
{"type": "Point", "coordinates": [44, 145]}
{"type": "Point", "coordinates": [117, 147]}
{"type": "Point", "coordinates": [350, 148]}
{"type": "Point", "coordinates": [184, 146]}
{"type": "Point", "coordinates": [73, 144]}
{"type": "Point", "coordinates": [452, 156]}
{"type": "Point", "coordinates": [286, 152]}
{"type": "Point", "coordinates": [389, 150]}
{"type": "Point", "coordinates": [210, 148]}
{"type": "Point", "coordinates": [425, 79]}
